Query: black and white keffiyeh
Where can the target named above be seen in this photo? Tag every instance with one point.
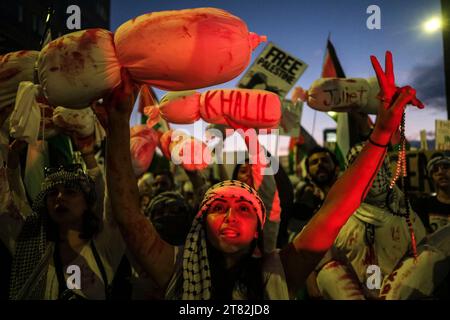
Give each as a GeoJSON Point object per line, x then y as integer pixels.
{"type": "Point", "coordinates": [381, 182]}
{"type": "Point", "coordinates": [28, 274]}
{"type": "Point", "coordinates": [33, 250]}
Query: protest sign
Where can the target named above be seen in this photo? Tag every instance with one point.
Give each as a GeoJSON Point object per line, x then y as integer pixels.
{"type": "Point", "coordinates": [442, 134]}
{"type": "Point", "coordinates": [274, 70]}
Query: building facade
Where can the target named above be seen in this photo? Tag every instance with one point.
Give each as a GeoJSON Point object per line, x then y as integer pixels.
{"type": "Point", "coordinates": [23, 22]}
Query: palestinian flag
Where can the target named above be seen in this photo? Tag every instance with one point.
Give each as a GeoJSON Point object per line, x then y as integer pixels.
{"type": "Point", "coordinates": [350, 125]}
{"type": "Point", "coordinates": [332, 69]}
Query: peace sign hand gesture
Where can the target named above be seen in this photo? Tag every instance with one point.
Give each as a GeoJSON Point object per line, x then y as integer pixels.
{"type": "Point", "coordinates": [394, 100]}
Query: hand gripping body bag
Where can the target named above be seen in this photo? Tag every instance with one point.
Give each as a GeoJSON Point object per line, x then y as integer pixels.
{"type": "Point", "coordinates": [79, 68]}
{"type": "Point", "coordinates": [185, 49]}
{"type": "Point", "coordinates": [184, 150]}
{"type": "Point", "coordinates": [15, 67]}
{"type": "Point", "coordinates": [143, 142]}
{"type": "Point", "coordinates": [81, 121]}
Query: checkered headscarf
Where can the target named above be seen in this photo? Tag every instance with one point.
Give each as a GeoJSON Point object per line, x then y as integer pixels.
{"type": "Point", "coordinates": [437, 160]}
{"type": "Point", "coordinates": [29, 267]}
{"type": "Point", "coordinates": [196, 276]}
{"type": "Point", "coordinates": [77, 179]}
{"type": "Point", "coordinates": [381, 182]}
{"type": "Point", "coordinates": [28, 279]}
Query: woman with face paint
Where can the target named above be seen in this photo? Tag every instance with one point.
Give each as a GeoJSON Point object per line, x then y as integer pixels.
{"type": "Point", "coordinates": [222, 256]}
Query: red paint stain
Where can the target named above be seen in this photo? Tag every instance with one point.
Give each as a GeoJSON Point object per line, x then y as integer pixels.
{"type": "Point", "coordinates": [22, 53]}
{"type": "Point", "coordinates": [72, 64]}
{"type": "Point", "coordinates": [392, 276]}
{"type": "Point", "coordinates": [8, 74]}
{"type": "Point", "coordinates": [369, 257]}
{"type": "Point", "coordinates": [4, 59]}
{"type": "Point", "coordinates": [88, 38]}
{"type": "Point", "coordinates": [57, 44]}
{"type": "Point", "coordinates": [346, 277]}
{"type": "Point", "coordinates": [331, 265]}
{"type": "Point", "coordinates": [186, 30]}
{"type": "Point", "coordinates": [386, 289]}
{"type": "Point", "coordinates": [42, 99]}
{"type": "Point", "coordinates": [77, 56]}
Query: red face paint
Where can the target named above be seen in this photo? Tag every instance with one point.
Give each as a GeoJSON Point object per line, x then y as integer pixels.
{"type": "Point", "coordinates": [231, 224]}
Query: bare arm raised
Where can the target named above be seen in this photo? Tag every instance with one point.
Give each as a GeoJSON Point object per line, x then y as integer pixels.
{"type": "Point", "coordinates": [154, 255]}
{"type": "Point", "coordinates": [306, 250]}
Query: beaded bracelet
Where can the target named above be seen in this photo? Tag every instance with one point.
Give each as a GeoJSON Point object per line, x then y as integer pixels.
{"type": "Point", "coordinates": [377, 144]}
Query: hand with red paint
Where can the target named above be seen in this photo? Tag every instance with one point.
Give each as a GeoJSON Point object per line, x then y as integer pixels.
{"type": "Point", "coordinates": [394, 101]}
{"type": "Point", "coordinates": [121, 100]}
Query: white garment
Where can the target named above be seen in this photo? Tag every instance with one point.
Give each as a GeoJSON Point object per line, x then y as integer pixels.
{"type": "Point", "coordinates": [273, 272]}
{"type": "Point", "coordinates": [110, 247]}
{"type": "Point", "coordinates": [26, 116]}
{"type": "Point", "coordinates": [392, 239]}
{"type": "Point", "coordinates": [19, 65]}
{"type": "Point", "coordinates": [438, 221]}
{"type": "Point", "coordinates": [418, 278]}
{"type": "Point", "coordinates": [81, 121]}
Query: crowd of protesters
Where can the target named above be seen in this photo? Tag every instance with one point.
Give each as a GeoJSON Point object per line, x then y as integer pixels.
{"type": "Point", "coordinates": [253, 237]}
{"type": "Point", "coordinates": [88, 211]}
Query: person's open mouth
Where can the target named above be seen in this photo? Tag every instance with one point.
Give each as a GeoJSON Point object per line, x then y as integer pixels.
{"type": "Point", "coordinates": [229, 233]}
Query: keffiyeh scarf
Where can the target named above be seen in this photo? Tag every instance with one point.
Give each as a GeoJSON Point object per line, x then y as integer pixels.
{"type": "Point", "coordinates": [33, 251]}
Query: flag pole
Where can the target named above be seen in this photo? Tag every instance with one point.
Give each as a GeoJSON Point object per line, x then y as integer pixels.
{"type": "Point", "coordinates": [48, 19]}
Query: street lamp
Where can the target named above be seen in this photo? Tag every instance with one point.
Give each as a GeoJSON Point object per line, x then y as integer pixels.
{"type": "Point", "coordinates": [432, 25]}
